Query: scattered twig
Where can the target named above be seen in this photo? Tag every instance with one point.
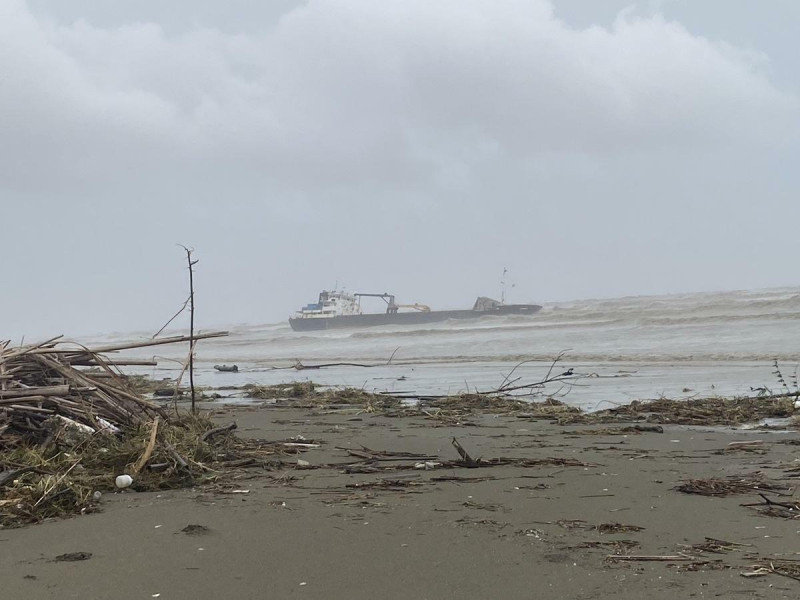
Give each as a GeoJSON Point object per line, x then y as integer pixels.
{"type": "Point", "coordinates": [218, 430]}
{"type": "Point", "coordinates": [468, 460]}
{"type": "Point", "coordinates": [649, 558]}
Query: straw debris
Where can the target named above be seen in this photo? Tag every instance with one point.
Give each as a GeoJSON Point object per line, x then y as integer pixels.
{"type": "Point", "coordinates": [696, 411]}
{"type": "Point", "coordinates": [714, 546]}
{"type": "Point", "coordinates": [619, 547]}
{"type": "Point", "coordinates": [728, 486]}
{"type": "Point", "coordinates": [71, 425]}
{"type": "Point", "coordinates": [606, 528]}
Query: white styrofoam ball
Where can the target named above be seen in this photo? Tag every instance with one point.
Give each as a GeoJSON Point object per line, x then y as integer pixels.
{"type": "Point", "coordinates": [123, 481]}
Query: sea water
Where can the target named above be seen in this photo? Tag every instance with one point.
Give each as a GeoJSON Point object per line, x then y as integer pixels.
{"type": "Point", "coordinates": [677, 346]}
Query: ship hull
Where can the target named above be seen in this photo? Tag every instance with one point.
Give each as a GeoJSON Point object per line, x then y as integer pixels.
{"type": "Point", "coordinates": [408, 318]}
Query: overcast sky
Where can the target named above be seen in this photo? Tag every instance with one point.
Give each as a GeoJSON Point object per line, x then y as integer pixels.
{"type": "Point", "coordinates": [596, 149]}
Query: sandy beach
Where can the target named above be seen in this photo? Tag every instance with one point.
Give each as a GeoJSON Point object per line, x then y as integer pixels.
{"type": "Point", "coordinates": [573, 521]}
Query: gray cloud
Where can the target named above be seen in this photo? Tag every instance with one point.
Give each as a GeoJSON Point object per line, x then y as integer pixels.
{"type": "Point", "coordinates": [411, 145]}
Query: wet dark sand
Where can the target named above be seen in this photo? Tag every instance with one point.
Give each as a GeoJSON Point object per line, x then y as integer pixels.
{"type": "Point", "coordinates": [305, 534]}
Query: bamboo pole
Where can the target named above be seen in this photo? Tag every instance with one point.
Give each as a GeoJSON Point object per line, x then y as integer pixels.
{"type": "Point", "coordinates": [130, 345]}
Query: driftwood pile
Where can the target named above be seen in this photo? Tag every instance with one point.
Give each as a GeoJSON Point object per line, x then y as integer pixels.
{"type": "Point", "coordinates": [71, 425]}
{"type": "Point", "coordinates": [53, 385]}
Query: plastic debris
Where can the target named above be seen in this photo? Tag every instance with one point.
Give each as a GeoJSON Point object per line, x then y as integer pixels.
{"type": "Point", "coordinates": [123, 481]}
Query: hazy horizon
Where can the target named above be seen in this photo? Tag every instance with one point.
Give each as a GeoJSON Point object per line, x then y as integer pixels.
{"type": "Point", "coordinates": [180, 326]}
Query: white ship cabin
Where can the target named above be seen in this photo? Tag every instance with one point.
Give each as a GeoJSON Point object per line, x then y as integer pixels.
{"type": "Point", "coordinates": [331, 304]}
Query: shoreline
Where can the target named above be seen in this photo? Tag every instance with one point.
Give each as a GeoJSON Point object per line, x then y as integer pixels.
{"type": "Point", "coordinates": [608, 384]}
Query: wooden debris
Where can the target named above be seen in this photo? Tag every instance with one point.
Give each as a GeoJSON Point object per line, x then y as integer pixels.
{"type": "Point", "coordinates": [487, 522]}
{"type": "Point", "coordinates": [458, 479]}
{"type": "Point", "coordinates": [484, 506]}
{"type": "Point", "coordinates": [193, 529]}
{"type": "Point", "coordinates": [73, 557]}
{"type": "Point", "coordinates": [467, 460]}
{"type": "Point", "coordinates": [650, 558]}
{"type": "Point", "coordinates": [71, 424]}
{"type": "Point", "coordinates": [217, 431]}
{"type": "Point", "coordinates": [700, 565]}
{"type": "Point", "coordinates": [45, 388]}
{"type": "Point", "coordinates": [616, 528]}
{"type": "Point", "coordinates": [383, 455]}
{"type": "Point", "coordinates": [772, 508]}
{"type": "Point", "coordinates": [715, 546]}
{"type": "Point", "coordinates": [774, 566]}
{"type": "Point", "coordinates": [148, 452]}
{"type": "Point", "coordinates": [385, 484]}
{"type": "Point", "coordinates": [695, 411]}
{"type": "Point", "coordinates": [632, 429]}
{"type": "Point", "coordinates": [571, 523]}
{"type": "Point", "coordinates": [619, 547]}
{"type": "Point", "coordinates": [754, 446]}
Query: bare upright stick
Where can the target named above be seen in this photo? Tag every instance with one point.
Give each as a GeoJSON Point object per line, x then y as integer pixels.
{"type": "Point", "coordinates": [191, 322]}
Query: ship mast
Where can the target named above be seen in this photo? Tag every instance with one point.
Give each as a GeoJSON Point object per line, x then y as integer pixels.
{"type": "Point", "coordinates": [503, 286]}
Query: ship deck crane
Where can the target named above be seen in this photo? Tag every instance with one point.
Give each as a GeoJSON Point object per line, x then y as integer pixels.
{"type": "Point", "coordinates": [391, 307]}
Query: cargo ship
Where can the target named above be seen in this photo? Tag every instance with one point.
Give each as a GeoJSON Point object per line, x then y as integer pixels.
{"type": "Point", "coordinates": [334, 310]}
